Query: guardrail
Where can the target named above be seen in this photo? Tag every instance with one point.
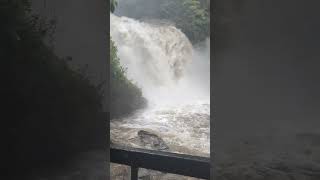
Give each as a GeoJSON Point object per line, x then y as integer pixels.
{"type": "Point", "coordinates": [181, 164]}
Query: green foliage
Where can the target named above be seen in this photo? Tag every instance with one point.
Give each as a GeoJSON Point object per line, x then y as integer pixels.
{"type": "Point", "coordinates": [52, 110]}
{"type": "Point", "coordinates": [113, 4]}
{"type": "Point", "coordinates": [189, 16]}
{"type": "Point", "coordinates": [125, 96]}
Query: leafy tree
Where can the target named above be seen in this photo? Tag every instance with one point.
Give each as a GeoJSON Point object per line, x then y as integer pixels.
{"type": "Point", "coordinates": [189, 16]}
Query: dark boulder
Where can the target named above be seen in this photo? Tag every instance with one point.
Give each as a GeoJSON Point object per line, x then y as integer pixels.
{"type": "Point", "coordinates": [152, 141]}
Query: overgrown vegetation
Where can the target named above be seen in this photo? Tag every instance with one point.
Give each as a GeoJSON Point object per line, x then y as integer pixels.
{"type": "Point", "coordinates": [125, 97]}
{"type": "Point", "coordinates": [189, 16]}
{"type": "Point", "coordinates": [51, 110]}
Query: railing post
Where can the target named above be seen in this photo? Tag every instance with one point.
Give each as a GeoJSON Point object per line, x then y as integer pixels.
{"type": "Point", "coordinates": [134, 173]}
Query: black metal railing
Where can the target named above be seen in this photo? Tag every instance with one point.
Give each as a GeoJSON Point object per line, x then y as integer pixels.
{"type": "Point", "coordinates": [181, 164]}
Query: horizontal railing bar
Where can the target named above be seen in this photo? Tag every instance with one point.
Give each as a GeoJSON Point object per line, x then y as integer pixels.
{"type": "Point", "coordinates": [182, 164]}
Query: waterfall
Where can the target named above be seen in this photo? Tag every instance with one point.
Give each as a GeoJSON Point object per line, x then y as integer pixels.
{"type": "Point", "coordinates": [156, 55]}
{"type": "Point", "coordinates": [174, 77]}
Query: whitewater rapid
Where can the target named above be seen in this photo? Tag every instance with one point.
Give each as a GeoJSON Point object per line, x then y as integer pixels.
{"type": "Point", "coordinates": [175, 79]}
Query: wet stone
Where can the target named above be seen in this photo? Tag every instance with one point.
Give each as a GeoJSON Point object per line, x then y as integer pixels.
{"type": "Point", "coordinates": [152, 141]}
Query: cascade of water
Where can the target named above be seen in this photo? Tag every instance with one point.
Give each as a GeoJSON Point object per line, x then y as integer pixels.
{"type": "Point", "coordinates": [175, 79]}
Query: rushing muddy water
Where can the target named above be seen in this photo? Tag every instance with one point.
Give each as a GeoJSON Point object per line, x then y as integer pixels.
{"type": "Point", "coordinates": [184, 128]}
{"type": "Point", "coordinates": [174, 77]}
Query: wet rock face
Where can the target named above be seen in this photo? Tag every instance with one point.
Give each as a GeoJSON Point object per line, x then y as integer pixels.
{"type": "Point", "coordinates": [152, 141]}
